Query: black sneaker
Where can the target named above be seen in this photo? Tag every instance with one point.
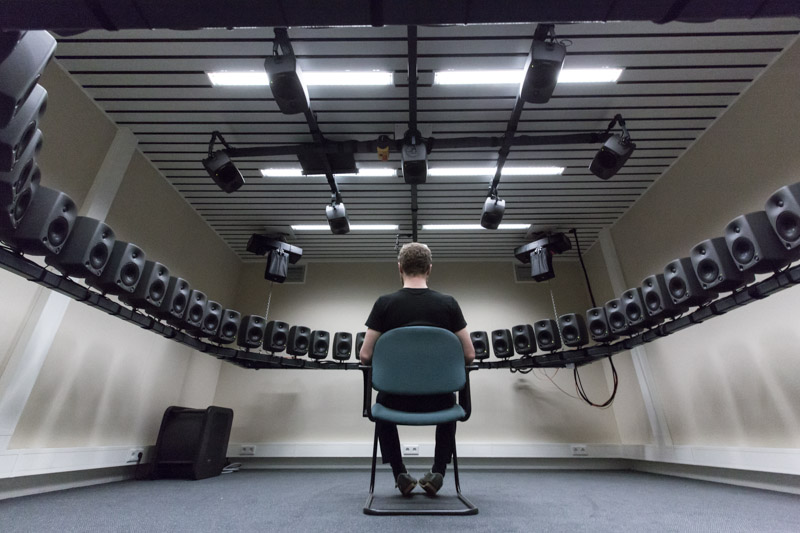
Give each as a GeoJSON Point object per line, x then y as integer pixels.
{"type": "Point", "coordinates": [431, 482]}
{"type": "Point", "coordinates": [406, 483]}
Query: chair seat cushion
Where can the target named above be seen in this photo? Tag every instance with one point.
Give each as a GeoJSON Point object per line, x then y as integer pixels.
{"type": "Point", "coordinates": [404, 418]}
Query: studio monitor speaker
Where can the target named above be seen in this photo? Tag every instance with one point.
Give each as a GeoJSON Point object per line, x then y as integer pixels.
{"type": "Point", "coordinates": [657, 300]}
{"type": "Point", "coordinates": [754, 245]}
{"type": "Point", "coordinates": [683, 286]}
{"type": "Point", "coordinates": [480, 342]}
{"type": "Point", "coordinates": [276, 335]}
{"type": "Point", "coordinates": [286, 82]}
{"type": "Point", "coordinates": [547, 336]}
{"type": "Point", "coordinates": [632, 302]}
{"type": "Point", "coordinates": [123, 270]}
{"type": "Point", "coordinates": [19, 184]}
{"type": "Point", "coordinates": [251, 331]}
{"type": "Point", "coordinates": [173, 306]}
{"type": "Point", "coordinates": [342, 346]}
{"type": "Point", "coordinates": [502, 344]}
{"type": "Point", "coordinates": [320, 342]}
{"type": "Point", "coordinates": [86, 251]}
{"type": "Point", "coordinates": [617, 320]}
{"type": "Point", "coordinates": [22, 129]}
{"type": "Point", "coordinates": [228, 326]}
{"type": "Point", "coordinates": [573, 330]}
{"type": "Point", "coordinates": [783, 211]}
{"type": "Point", "coordinates": [299, 340]}
{"type": "Point", "coordinates": [195, 311]}
{"type": "Point", "coordinates": [212, 315]}
{"type": "Point", "coordinates": [152, 286]}
{"type": "Point", "coordinates": [20, 70]}
{"type": "Point", "coordinates": [523, 337]}
{"type": "Point", "coordinates": [715, 268]}
{"type": "Point", "coordinates": [360, 342]}
{"type": "Point", "coordinates": [46, 226]}
{"type": "Point", "coordinates": [598, 325]}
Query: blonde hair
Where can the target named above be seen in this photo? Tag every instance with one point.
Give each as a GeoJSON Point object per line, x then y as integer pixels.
{"type": "Point", "coordinates": [415, 259]}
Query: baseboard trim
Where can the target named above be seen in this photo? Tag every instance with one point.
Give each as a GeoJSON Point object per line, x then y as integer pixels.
{"type": "Point", "coordinates": [29, 462]}
{"type": "Point", "coordinates": [15, 487]}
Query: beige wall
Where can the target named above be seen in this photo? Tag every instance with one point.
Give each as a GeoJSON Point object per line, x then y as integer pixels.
{"type": "Point", "coordinates": [735, 380]}
{"type": "Point", "coordinates": [107, 382]}
{"type": "Point", "coordinates": [324, 406]}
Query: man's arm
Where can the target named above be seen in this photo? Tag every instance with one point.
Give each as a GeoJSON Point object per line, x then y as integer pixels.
{"type": "Point", "coordinates": [368, 347]}
{"type": "Point", "coordinates": [466, 344]}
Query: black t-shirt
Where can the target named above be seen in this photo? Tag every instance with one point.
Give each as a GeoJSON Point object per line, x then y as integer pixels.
{"type": "Point", "coordinates": [416, 307]}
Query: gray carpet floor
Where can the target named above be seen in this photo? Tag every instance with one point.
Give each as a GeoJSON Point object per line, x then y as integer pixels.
{"type": "Point", "coordinates": [332, 500]}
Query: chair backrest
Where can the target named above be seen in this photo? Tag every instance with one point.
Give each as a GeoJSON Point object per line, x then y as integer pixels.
{"type": "Point", "coordinates": [418, 360]}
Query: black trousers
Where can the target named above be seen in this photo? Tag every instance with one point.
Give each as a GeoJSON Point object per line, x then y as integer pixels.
{"type": "Point", "coordinates": [390, 440]}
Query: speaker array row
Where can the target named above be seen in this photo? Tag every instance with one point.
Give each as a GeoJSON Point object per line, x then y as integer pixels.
{"type": "Point", "coordinates": [525, 339]}
{"type": "Point", "coordinates": [276, 336]}
{"type": "Point", "coordinates": [760, 242]}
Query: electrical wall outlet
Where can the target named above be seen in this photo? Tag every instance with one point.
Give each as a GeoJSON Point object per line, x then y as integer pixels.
{"type": "Point", "coordinates": [133, 455]}
{"type": "Point", "coordinates": [411, 449]}
{"type": "Point", "coordinates": [579, 450]}
{"type": "Point", "coordinates": [247, 449]}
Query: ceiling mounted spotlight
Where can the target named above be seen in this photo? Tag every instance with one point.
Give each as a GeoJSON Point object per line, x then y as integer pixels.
{"type": "Point", "coordinates": [415, 158]}
{"type": "Point", "coordinates": [543, 66]}
{"type": "Point", "coordinates": [220, 167]}
{"type": "Point", "coordinates": [286, 77]}
{"type": "Point", "coordinates": [493, 209]}
{"type": "Point", "coordinates": [539, 253]}
{"type": "Point", "coordinates": [279, 254]}
{"type": "Point", "coordinates": [614, 153]}
{"type": "Point", "coordinates": [337, 217]}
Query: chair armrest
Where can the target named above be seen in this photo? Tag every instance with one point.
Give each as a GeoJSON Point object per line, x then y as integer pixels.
{"type": "Point", "coordinates": [465, 396]}
{"type": "Point", "coordinates": [367, 407]}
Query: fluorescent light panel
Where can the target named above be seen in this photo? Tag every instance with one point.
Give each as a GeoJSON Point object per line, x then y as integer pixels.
{"type": "Point", "coordinates": [449, 227]}
{"type": "Point", "coordinates": [490, 171]}
{"type": "Point", "coordinates": [252, 77]}
{"type": "Point", "coordinates": [494, 77]}
{"type": "Point", "coordinates": [298, 173]}
{"type": "Point", "coordinates": [353, 227]}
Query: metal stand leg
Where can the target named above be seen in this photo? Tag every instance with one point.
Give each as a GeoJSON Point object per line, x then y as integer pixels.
{"type": "Point", "coordinates": [372, 475]}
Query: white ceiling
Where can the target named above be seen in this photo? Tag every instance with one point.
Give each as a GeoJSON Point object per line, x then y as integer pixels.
{"type": "Point", "coordinates": [678, 78]}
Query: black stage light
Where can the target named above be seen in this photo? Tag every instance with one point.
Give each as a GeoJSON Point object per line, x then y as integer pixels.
{"type": "Point", "coordinates": [337, 218]}
{"type": "Point", "coordinates": [286, 77]}
{"type": "Point", "coordinates": [414, 155]}
{"type": "Point", "coordinates": [493, 209]}
{"type": "Point", "coordinates": [279, 254]}
{"type": "Point", "coordinates": [223, 171]}
{"type": "Point", "coordinates": [539, 254]}
{"type": "Point", "coordinates": [542, 66]}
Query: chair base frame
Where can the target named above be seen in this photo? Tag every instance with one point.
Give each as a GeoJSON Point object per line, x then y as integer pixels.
{"type": "Point", "coordinates": [468, 509]}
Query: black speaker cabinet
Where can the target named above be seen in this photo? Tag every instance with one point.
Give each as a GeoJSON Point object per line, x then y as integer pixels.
{"type": "Point", "coordinates": [192, 443]}
{"type": "Point", "coordinates": [195, 311]}
{"type": "Point", "coordinates": [598, 325]}
{"type": "Point", "coordinates": [229, 322]}
{"type": "Point", "coordinates": [342, 346]}
{"type": "Point", "coordinates": [480, 342]}
{"type": "Point", "coordinates": [123, 270]}
{"type": "Point", "coordinates": [783, 211]}
{"type": "Point", "coordinates": [86, 251]}
{"type": "Point", "coordinates": [17, 136]}
{"type": "Point", "coordinates": [299, 340]}
{"type": "Point", "coordinates": [547, 336]}
{"type": "Point", "coordinates": [320, 342]}
{"type": "Point", "coordinates": [502, 344]}
{"type": "Point", "coordinates": [173, 306]}
{"type": "Point", "coordinates": [715, 268]}
{"type": "Point", "coordinates": [360, 342]}
{"type": "Point", "coordinates": [523, 337]}
{"type": "Point", "coordinates": [212, 315]}
{"type": "Point", "coordinates": [20, 70]}
{"type": "Point", "coordinates": [617, 320]}
{"type": "Point", "coordinates": [251, 331]}
{"type": "Point", "coordinates": [657, 300]}
{"type": "Point", "coordinates": [276, 335]}
{"type": "Point", "coordinates": [683, 286]}
{"type": "Point", "coordinates": [754, 245]}
{"type": "Point", "coordinates": [573, 330]}
{"type": "Point", "coordinates": [632, 302]}
{"type": "Point", "coordinates": [19, 184]}
{"type": "Point", "coordinates": [46, 226]}
{"type": "Point", "coordinates": [152, 286]}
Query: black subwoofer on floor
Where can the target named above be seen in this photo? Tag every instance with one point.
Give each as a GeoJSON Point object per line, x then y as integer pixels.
{"type": "Point", "coordinates": [192, 443]}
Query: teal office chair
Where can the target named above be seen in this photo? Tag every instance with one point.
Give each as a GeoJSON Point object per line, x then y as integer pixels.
{"type": "Point", "coordinates": [417, 360]}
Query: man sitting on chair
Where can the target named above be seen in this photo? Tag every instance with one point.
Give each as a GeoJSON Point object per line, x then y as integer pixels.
{"type": "Point", "coordinates": [416, 305]}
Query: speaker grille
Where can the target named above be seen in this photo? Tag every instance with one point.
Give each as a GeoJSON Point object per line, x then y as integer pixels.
{"type": "Point", "coordinates": [788, 226]}
{"type": "Point", "coordinates": [57, 231]}
{"type": "Point", "coordinates": [708, 270]}
{"type": "Point", "coordinates": [743, 250]}
{"type": "Point", "coordinates": [130, 275]}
